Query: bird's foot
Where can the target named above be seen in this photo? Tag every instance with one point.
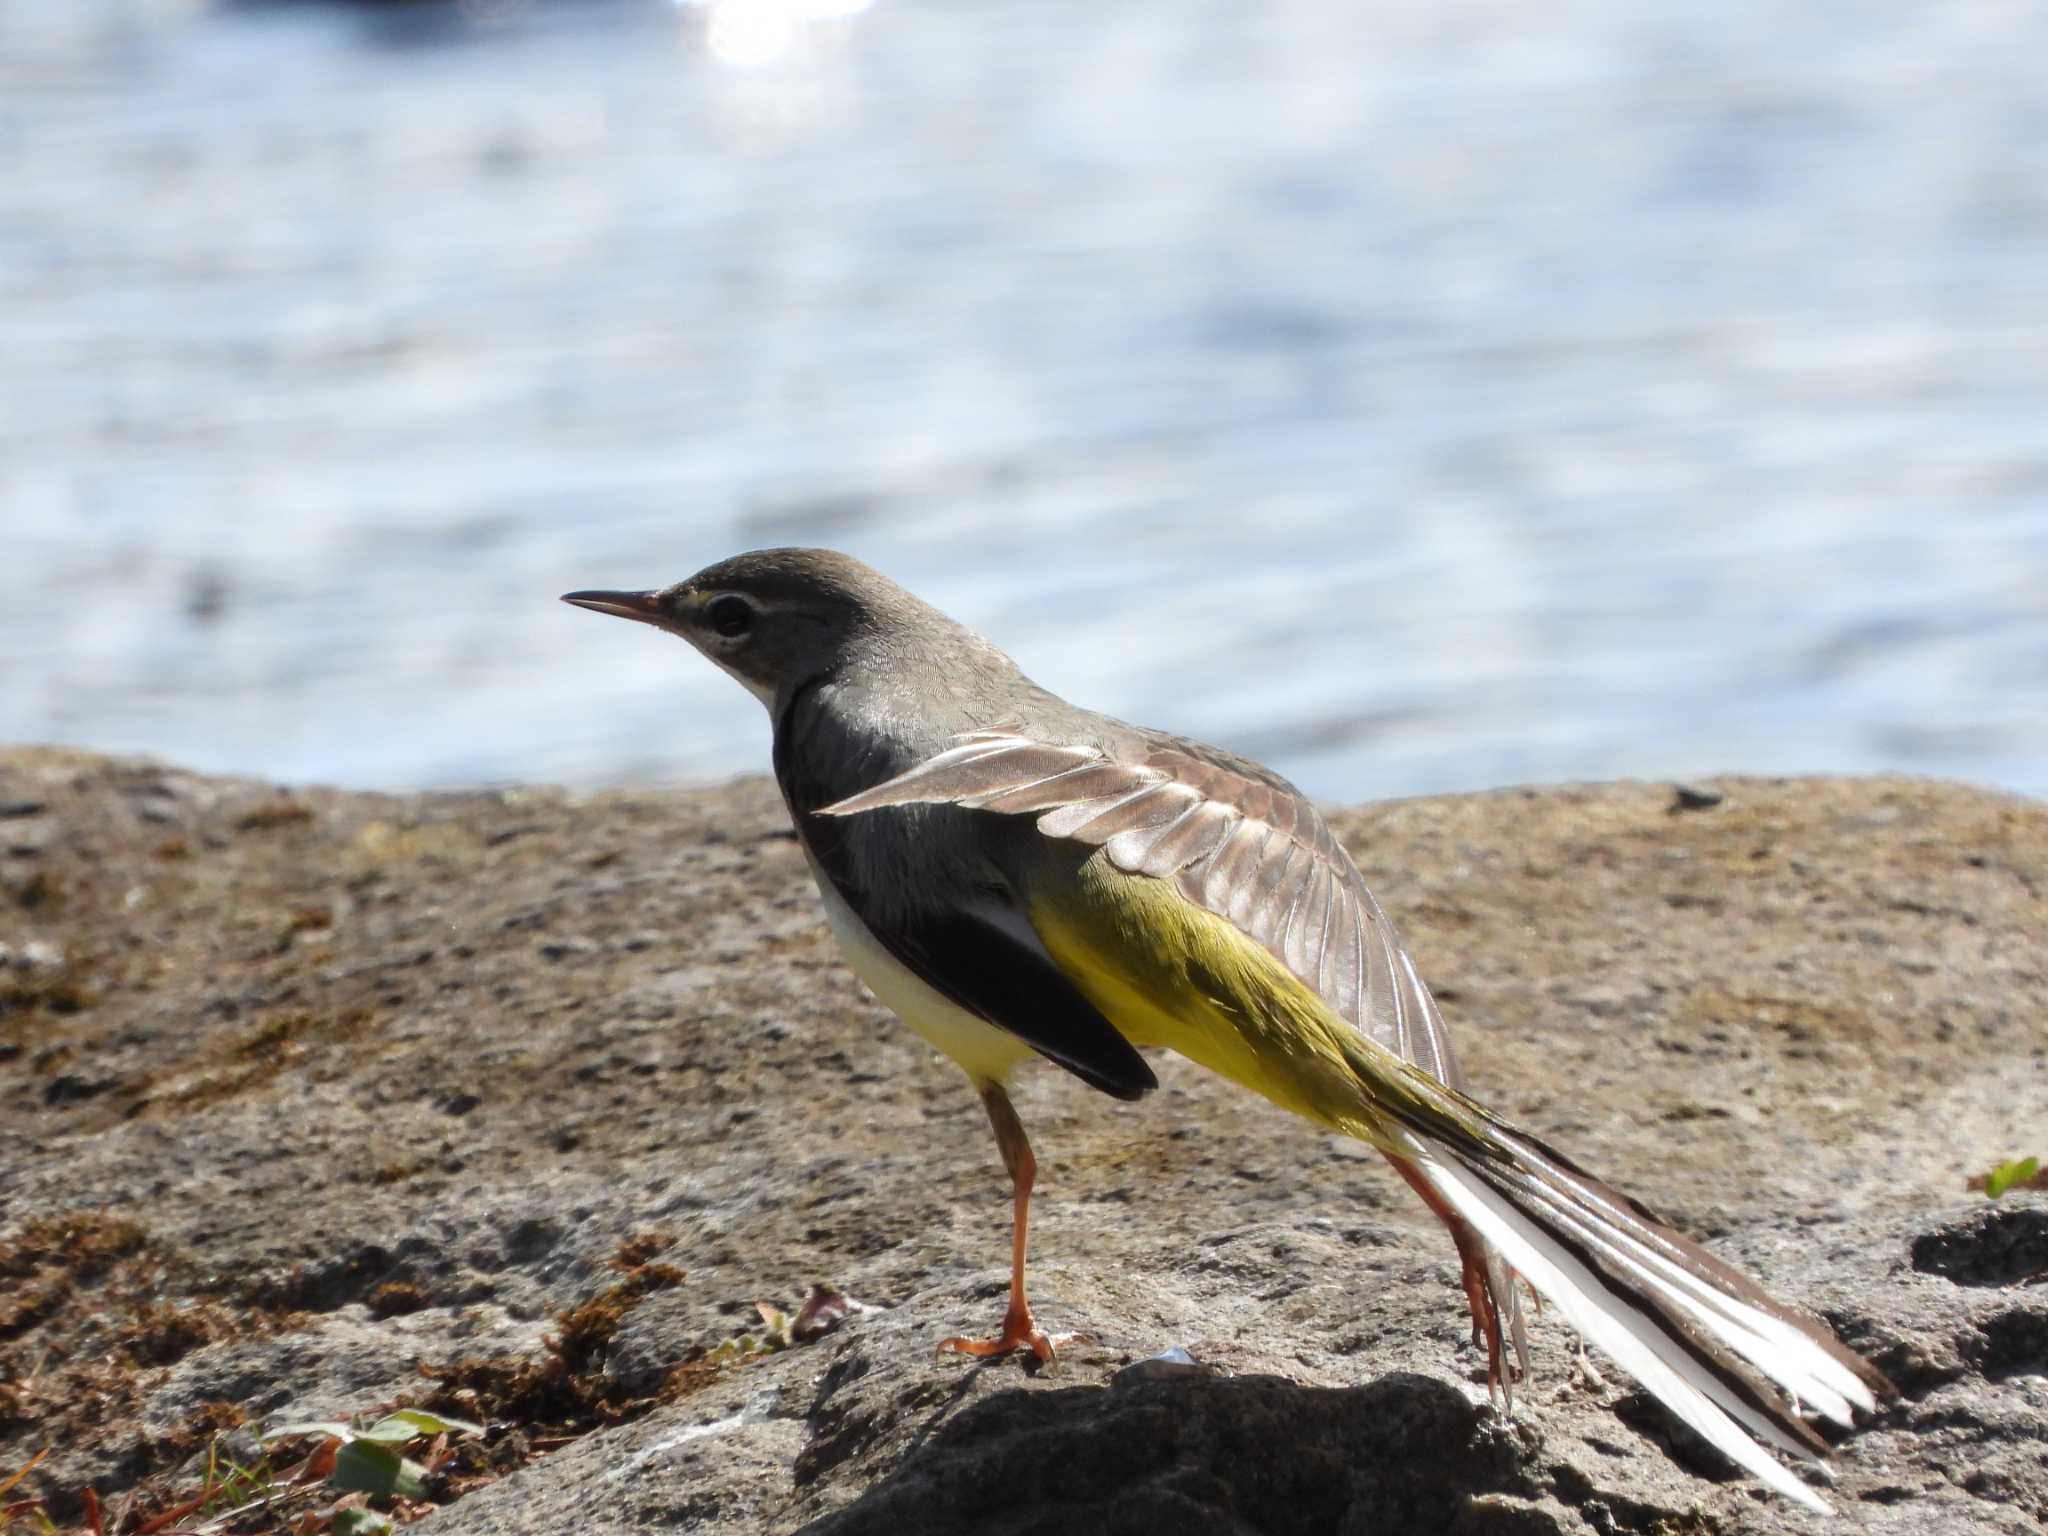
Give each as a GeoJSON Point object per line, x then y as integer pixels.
{"type": "Point", "coordinates": [1583, 1370]}
{"type": "Point", "coordinates": [1020, 1331]}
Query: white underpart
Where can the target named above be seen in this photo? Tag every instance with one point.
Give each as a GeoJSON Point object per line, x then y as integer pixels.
{"type": "Point", "coordinates": [985, 1053]}
{"type": "Point", "coordinates": [765, 692]}
{"type": "Point", "coordinates": [1634, 1342]}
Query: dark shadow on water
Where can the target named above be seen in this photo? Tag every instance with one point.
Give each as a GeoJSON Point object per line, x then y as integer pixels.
{"type": "Point", "coordinates": [441, 23]}
{"type": "Point", "coordinates": [1192, 1456]}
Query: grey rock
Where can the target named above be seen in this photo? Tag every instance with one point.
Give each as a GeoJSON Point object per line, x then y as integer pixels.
{"type": "Point", "coordinates": [387, 1089]}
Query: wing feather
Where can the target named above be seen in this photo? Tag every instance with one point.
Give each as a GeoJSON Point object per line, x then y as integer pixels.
{"type": "Point", "coordinates": [1397, 995]}
{"type": "Point", "coordinates": [1150, 810]}
{"type": "Point", "coordinates": [1067, 820]}
{"type": "Point", "coordinates": [1189, 840]}
{"type": "Point", "coordinates": [980, 768]}
{"type": "Point", "coordinates": [1229, 888]}
{"type": "Point", "coordinates": [1353, 947]}
{"type": "Point", "coordinates": [1274, 914]}
{"type": "Point", "coordinates": [1325, 938]}
{"type": "Point", "coordinates": [1305, 922]}
{"type": "Point", "coordinates": [1087, 782]}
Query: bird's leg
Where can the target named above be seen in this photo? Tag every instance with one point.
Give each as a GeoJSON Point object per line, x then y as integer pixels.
{"type": "Point", "coordinates": [1020, 1331]}
{"type": "Point", "coordinates": [1478, 1294]}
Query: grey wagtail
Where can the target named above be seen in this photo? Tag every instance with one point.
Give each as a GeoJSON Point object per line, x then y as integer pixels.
{"type": "Point", "coordinates": [1013, 875]}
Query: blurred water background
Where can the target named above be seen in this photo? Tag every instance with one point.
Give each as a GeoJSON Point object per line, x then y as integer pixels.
{"type": "Point", "coordinates": [1420, 395]}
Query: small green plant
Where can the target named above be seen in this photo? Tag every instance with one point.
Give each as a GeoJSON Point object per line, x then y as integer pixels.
{"type": "Point", "coordinates": [819, 1315]}
{"type": "Point", "coordinates": [368, 1458]}
{"type": "Point", "coordinates": [371, 1457]}
{"type": "Point", "coordinates": [2018, 1173]}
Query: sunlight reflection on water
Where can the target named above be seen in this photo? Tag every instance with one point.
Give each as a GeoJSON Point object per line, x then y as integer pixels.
{"type": "Point", "coordinates": [753, 34]}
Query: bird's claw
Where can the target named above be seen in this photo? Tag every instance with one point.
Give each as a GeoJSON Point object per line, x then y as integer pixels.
{"type": "Point", "coordinates": [1020, 1332]}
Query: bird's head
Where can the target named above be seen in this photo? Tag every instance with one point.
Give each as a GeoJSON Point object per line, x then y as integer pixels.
{"type": "Point", "coordinates": [776, 618]}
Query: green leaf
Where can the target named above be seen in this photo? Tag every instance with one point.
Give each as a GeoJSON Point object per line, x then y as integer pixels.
{"type": "Point", "coordinates": [426, 1423]}
{"type": "Point", "coordinates": [361, 1522]}
{"type": "Point", "coordinates": [365, 1466]}
{"type": "Point", "coordinates": [389, 1430]}
{"type": "Point", "coordinates": [2006, 1175]}
{"type": "Point", "coordinates": [325, 1427]}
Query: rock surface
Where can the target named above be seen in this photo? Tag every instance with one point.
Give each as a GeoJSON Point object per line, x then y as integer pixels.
{"type": "Point", "coordinates": [312, 1102]}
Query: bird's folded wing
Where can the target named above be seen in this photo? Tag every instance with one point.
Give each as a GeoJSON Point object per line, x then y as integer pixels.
{"type": "Point", "coordinates": [1236, 840]}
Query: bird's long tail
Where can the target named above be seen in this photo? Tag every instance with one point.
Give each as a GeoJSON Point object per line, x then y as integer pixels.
{"type": "Point", "coordinates": [1737, 1365]}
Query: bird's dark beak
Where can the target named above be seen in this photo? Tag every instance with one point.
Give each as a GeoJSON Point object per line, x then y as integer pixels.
{"type": "Point", "coordinates": [644, 606]}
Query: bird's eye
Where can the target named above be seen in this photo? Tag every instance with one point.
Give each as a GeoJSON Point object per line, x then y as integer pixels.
{"type": "Point", "coordinates": [730, 616]}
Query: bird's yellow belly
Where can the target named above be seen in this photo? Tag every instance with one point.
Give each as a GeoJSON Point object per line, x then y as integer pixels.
{"type": "Point", "coordinates": [1168, 973]}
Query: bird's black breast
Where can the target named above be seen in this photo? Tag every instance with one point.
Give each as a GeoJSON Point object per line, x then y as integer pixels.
{"type": "Point", "coordinates": [918, 879]}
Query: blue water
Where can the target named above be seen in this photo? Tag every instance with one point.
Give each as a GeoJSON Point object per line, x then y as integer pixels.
{"type": "Point", "coordinates": [1418, 396]}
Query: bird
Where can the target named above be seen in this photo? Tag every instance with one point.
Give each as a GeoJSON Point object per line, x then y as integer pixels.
{"type": "Point", "coordinates": [1015, 876]}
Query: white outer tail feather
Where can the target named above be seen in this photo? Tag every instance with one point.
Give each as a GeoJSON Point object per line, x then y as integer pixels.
{"type": "Point", "coordinates": [1814, 1378]}
{"type": "Point", "coordinates": [1590, 1305]}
